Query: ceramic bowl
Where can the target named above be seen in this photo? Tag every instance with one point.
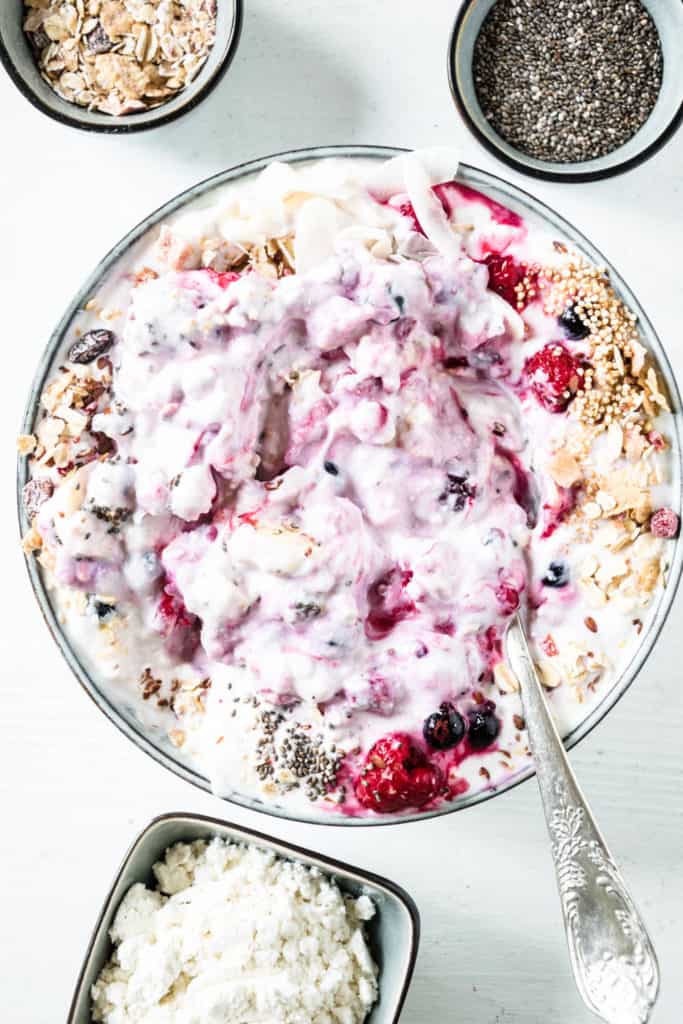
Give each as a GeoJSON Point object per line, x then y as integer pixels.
{"type": "Point", "coordinates": [20, 64]}
{"type": "Point", "coordinates": [120, 710]}
{"type": "Point", "coordinates": [393, 933]}
{"type": "Point", "coordinates": [657, 130]}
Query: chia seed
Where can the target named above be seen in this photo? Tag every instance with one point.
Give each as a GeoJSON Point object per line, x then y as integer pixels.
{"type": "Point", "coordinates": [290, 757]}
{"type": "Point", "coordinates": [567, 80]}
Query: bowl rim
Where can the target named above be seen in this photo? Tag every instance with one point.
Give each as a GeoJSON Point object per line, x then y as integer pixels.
{"type": "Point", "coordinates": [127, 127]}
{"type": "Point", "coordinates": [143, 740]}
{"type": "Point", "coordinates": [536, 172]}
{"type": "Point", "coordinates": [284, 849]}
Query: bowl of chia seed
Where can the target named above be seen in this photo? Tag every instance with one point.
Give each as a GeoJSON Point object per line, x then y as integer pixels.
{"type": "Point", "coordinates": [569, 90]}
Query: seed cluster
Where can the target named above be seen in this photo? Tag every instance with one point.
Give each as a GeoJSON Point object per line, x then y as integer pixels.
{"type": "Point", "coordinates": [567, 80]}
{"type": "Point", "coordinates": [292, 757]}
{"type": "Point", "coordinates": [619, 385]}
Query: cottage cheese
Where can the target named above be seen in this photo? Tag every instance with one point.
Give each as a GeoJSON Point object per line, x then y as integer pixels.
{"type": "Point", "coordinates": [235, 934]}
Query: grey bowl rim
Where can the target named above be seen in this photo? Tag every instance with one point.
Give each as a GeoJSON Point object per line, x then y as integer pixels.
{"type": "Point", "coordinates": [287, 850]}
{"type": "Point", "coordinates": [570, 177]}
{"type": "Point", "coordinates": [118, 126]}
{"type": "Point", "coordinates": [143, 742]}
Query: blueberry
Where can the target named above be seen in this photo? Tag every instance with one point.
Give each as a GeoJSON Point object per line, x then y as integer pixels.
{"type": "Point", "coordinates": [330, 467]}
{"type": "Point", "coordinates": [459, 489]}
{"type": "Point", "coordinates": [573, 325]}
{"type": "Point", "coordinates": [483, 726]}
{"type": "Point", "coordinates": [444, 728]}
{"type": "Point", "coordinates": [557, 575]}
{"type": "Point", "coordinates": [101, 608]}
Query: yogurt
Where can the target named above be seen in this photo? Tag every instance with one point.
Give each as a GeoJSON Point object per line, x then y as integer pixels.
{"type": "Point", "coordinates": [354, 419]}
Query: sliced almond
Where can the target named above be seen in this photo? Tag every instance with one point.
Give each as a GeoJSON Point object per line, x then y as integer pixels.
{"type": "Point", "coordinates": [564, 468]}
{"type": "Point", "coordinates": [504, 679]}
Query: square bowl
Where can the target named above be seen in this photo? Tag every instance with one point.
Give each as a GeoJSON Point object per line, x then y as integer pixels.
{"type": "Point", "coordinates": [393, 933]}
{"type": "Point", "coordinates": [19, 62]}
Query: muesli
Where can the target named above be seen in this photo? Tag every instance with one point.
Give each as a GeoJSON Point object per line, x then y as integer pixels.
{"type": "Point", "coordinates": [120, 56]}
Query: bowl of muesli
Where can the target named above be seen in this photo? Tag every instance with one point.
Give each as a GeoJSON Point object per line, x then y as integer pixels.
{"type": "Point", "coordinates": [118, 66]}
{"type": "Point", "coordinates": [301, 446]}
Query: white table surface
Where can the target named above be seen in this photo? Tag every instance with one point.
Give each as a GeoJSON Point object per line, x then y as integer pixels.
{"type": "Point", "coordinates": [74, 791]}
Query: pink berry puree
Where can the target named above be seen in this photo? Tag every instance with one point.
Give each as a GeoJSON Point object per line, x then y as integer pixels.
{"type": "Point", "coordinates": [334, 428]}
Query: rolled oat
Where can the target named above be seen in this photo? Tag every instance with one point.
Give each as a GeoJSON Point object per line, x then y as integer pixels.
{"type": "Point", "coordinates": [119, 56]}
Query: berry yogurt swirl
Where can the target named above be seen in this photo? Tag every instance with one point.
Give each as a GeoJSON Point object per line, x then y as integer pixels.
{"type": "Point", "coordinates": [309, 452]}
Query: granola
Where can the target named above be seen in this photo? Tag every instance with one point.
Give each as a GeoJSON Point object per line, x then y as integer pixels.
{"type": "Point", "coordinates": [120, 56]}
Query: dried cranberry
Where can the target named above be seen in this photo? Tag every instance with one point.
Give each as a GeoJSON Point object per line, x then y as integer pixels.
{"type": "Point", "coordinates": [98, 41]}
{"type": "Point", "coordinates": [397, 775]}
{"type": "Point", "coordinates": [664, 523]}
{"type": "Point", "coordinates": [91, 345]}
{"type": "Point", "coordinates": [553, 374]}
{"type": "Point", "coordinates": [35, 493]}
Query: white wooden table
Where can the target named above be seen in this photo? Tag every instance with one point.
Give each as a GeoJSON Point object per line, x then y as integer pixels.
{"type": "Point", "coordinates": [74, 792]}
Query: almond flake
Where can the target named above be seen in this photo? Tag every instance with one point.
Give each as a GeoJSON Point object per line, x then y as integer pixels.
{"type": "Point", "coordinates": [504, 679]}
{"type": "Point", "coordinates": [564, 468]}
{"type": "Point", "coordinates": [550, 675]}
{"type": "Point", "coordinates": [26, 444]}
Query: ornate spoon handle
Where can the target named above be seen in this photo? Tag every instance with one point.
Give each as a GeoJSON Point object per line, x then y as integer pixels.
{"type": "Point", "coordinates": [614, 964]}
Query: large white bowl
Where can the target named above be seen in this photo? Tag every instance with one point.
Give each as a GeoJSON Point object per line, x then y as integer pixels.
{"type": "Point", "coordinates": [118, 708]}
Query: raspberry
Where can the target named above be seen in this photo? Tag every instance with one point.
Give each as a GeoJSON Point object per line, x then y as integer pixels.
{"type": "Point", "coordinates": [504, 274]}
{"type": "Point", "coordinates": [222, 280]}
{"type": "Point", "coordinates": [397, 775]}
{"type": "Point", "coordinates": [179, 627]}
{"type": "Point", "coordinates": [664, 523]}
{"type": "Point", "coordinates": [405, 208]}
{"type": "Point", "coordinates": [553, 374]}
{"type": "Point", "coordinates": [508, 598]}
{"type": "Point", "coordinates": [388, 603]}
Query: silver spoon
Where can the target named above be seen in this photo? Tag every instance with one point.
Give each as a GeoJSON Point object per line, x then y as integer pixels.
{"type": "Point", "coordinates": [612, 957]}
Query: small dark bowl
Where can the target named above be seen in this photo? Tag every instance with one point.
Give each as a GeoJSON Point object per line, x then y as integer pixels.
{"type": "Point", "coordinates": [20, 64]}
{"type": "Point", "coordinates": [393, 933]}
{"type": "Point", "coordinates": [654, 133]}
